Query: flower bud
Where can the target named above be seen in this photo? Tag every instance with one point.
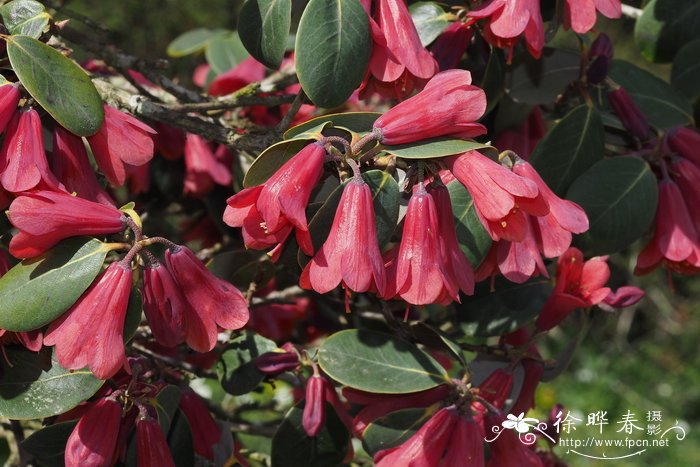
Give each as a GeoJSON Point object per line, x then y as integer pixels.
{"type": "Point", "coordinates": [599, 56]}
{"type": "Point", "coordinates": [629, 114]}
{"type": "Point", "coordinates": [275, 363]}
{"type": "Point", "coordinates": [314, 415]}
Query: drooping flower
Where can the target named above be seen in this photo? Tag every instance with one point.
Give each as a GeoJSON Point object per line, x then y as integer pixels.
{"type": "Point", "coordinates": [449, 47]}
{"type": "Point", "coordinates": [122, 139]}
{"type": "Point", "coordinates": [94, 439]}
{"type": "Point", "coordinates": [202, 168]}
{"type": "Point", "coordinates": [71, 166]}
{"type": "Point", "coordinates": [350, 253]}
{"type": "Point", "coordinates": [9, 98]}
{"type": "Point", "coordinates": [675, 240]}
{"type": "Point", "coordinates": [277, 321]}
{"type": "Point", "coordinates": [205, 432]}
{"type": "Point", "coordinates": [508, 20]}
{"type": "Point", "coordinates": [425, 448]}
{"type": "Point", "coordinates": [314, 415]}
{"type": "Point", "coordinates": [164, 305]}
{"type": "Point", "coordinates": [399, 62]}
{"type": "Point", "coordinates": [421, 273]}
{"type": "Point", "coordinates": [456, 264]}
{"type": "Point", "coordinates": [23, 163]}
{"type": "Point", "coordinates": [686, 143]}
{"type": "Point", "coordinates": [44, 218]}
{"type": "Point", "coordinates": [213, 302]}
{"type": "Point", "coordinates": [501, 198]}
{"type": "Point", "coordinates": [151, 446]}
{"type": "Point", "coordinates": [579, 284]}
{"type": "Point", "coordinates": [466, 446]}
{"type": "Point", "coordinates": [31, 340]}
{"type": "Point", "coordinates": [449, 105]}
{"type": "Point", "coordinates": [630, 115]}
{"type": "Point", "coordinates": [90, 333]}
{"type": "Point", "coordinates": [580, 15]}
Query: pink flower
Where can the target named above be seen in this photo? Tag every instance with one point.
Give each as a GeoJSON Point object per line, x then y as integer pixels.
{"type": "Point", "coordinates": [151, 446]}
{"type": "Point", "coordinates": [350, 253]}
{"type": "Point", "coordinates": [164, 305]}
{"type": "Point", "coordinates": [508, 20]}
{"type": "Point", "coordinates": [205, 432]}
{"type": "Point", "coordinates": [579, 284]}
{"type": "Point", "coordinates": [90, 333]}
{"type": "Point", "coordinates": [44, 218]}
{"type": "Point", "coordinates": [425, 448]}
{"type": "Point", "coordinates": [280, 201]}
{"type": "Point", "coordinates": [23, 163]}
{"type": "Point", "coordinates": [675, 240]}
{"type": "Point", "coordinates": [501, 198]}
{"type": "Point", "coordinates": [71, 166]}
{"type": "Point", "coordinates": [623, 297]}
{"type": "Point", "coordinates": [94, 439]}
{"type": "Point", "coordinates": [456, 264]}
{"type": "Point", "coordinates": [122, 140]}
{"type": "Point", "coordinates": [9, 98]}
{"type": "Point", "coordinates": [448, 106]}
{"type": "Point", "coordinates": [466, 445]}
{"type": "Point", "coordinates": [212, 302]}
{"type": "Point", "coordinates": [202, 167]}
{"type": "Point", "coordinates": [580, 15]}
{"type": "Point", "coordinates": [686, 143]}
{"type": "Point", "coordinates": [564, 218]}
{"type": "Point", "coordinates": [422, 276]}
{"type": "Point", "coordinates": [246, 72]}
{"type": "Point", "coordinates": [399, 61]}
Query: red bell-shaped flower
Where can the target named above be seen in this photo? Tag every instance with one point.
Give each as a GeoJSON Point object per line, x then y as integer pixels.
{"type": "Point", "coordinates": [90, 333]}
{"type": "Point", "coordinates": [202, 168]}
{"type": "Point", "coordinates": [580, 15]}
{"type": "Point", "coordinates": [164, 305]}
{"type": "Point", "coordinates": [151, 446]}
{"type": "Point", "coordinates": [205, 432]}
{"type": "Point", "coordinates": [94, 439]}
{"type": "Point", "coordinates": [9, 98]}
{"type": "Point", "coordinates": [508, 20]}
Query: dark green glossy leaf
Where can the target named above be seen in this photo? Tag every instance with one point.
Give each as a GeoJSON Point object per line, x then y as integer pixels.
{"type": "Point", "coordinates": [264, 26]}
{"type": "Point", "coordinates": [37, 291]}
{"type": "Point", "coordinates": [395, 428]}
{"type": "Point", "coordinates": [535, 82]}
{"type": "Point", "coordinates": [168, 400]}
{"type": "Point", "coordinates": [62, 88]}
{"type": "Point", "coordinates": [619, 195]}
{"type": "Point", "coordinates": [665, 26]}
{"type": "Point", "coordinates": [134, 312]}
{"type": "Point", "coordinates": [291, 446]}
{"type": "Point", "coordinates": [430, 20]}
{"type": "Point", "coordinates": [358, 122]}
{"type": "Point", "coordinates": [376, 362]}
{"type": "Point", "coordinates": [570, 148]}
{"type": "Point", "coordinates": [434, 339]}
{"type": "Point", "coordinates": [685, 73]}
{"type": "Point", "coordinates": [493, 82]}
{"type": "Point", "coordinates": [236, 369]}
{"type": "Point", "coordinates": [34, 385]}
{"type": "Point", "coordinates": [193, 41]}
{"type": "Point", "coordinates": [385, 196]}
{"type": "Point", "coordinates": [48, 445]}
{"type": "Point", "coordinates": [241, 267]}
{"type": "Point", "coordinates": [507, 308]}
{"type": "Point", "coordinates": [5, 451]}
{"type": "Point", "coordinates": [180, 441]}
{"type": "Point", "coordinates": [436, 147]}
{"type": "Point", "coordinates": [271, 159]}
{"type": "Point", "coordinates": [473, 238]}
{"type": "Point", "coordinates": [225, 52]}
{"type": "Point", "coordinates": [663, 106]}
{"type": "Point", "coordinates": [332, 50]}
{"type": "Point", "coordinates": [25, 17]}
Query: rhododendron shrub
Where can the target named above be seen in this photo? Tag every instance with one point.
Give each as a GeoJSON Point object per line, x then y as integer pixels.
{"type": "Point", "coordinates": [321, 244]}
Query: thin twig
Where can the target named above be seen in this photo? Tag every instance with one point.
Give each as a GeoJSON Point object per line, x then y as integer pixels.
{"type": "Point", "coordinates": [289, 117]}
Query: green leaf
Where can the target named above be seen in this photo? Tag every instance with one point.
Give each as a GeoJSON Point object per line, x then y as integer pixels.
{"type": "Point", "coordinates": [37, 291]}
{"type": "Point", "coordinates": [436, 147]}
{"type": "Point", "coordinates": [535, 82]}
{"type": "Point", "coordinates": [193, 41]}
{"type": "Point", "coordinates": [332, 50]}
{"type": "Point", "coordinates": [663, 106]}
{"type": "Point", "coordinates": [264, 26]}
{"type": "Point", "coordinates": [180, 441]}
{"type": "Point", "coordinates": [685, 73]}
{"type": "Point", "coordinates": [570, 148]}
{"type": "Point", "coordinates": [62, 88]}
{"type": "Point", "coordinates": [34, 385]}
{"type": "Point", "coordinates": [665, 26]}
{"type": "Point", "coordinates": [508, 307]}
{"type": "Point", "coordinates": [48, 445]}
{"type": "Point", "coordinates": [25, 17]}
{"type": "Point", "coordinates": [241, 267]}
{"type": "Point", "coordinates": [430, 20]}
{"type": "Point", "coordinates": [493, 82]}
{"type": "Point", "coordinates": [168, 400]}
{"type": "Point", "coordinates": [473, 238]}
{"type": "Point", "coordinates": [619, 195]}
{"type": "Point", "coordinates": [271, 159]}
{"type": "Point", "coordinates": [435, 339]}
{"type": "Point", "coordinates": [385, 197]}
{"type": "Point", "coordinates": [236, 369]}
{"type": "Point", "coordinates": [225, 52]}
{"type": "Point", "coordinates": [395, 428]}
{"type": "Point", "coordinates": [134, 312]}
{"type": "Point", "coordinates": [291, 446]}
{"type": "Point", "coordinates": [358, 122]}
{"type": "Point", "coordinates": [376, 362]}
